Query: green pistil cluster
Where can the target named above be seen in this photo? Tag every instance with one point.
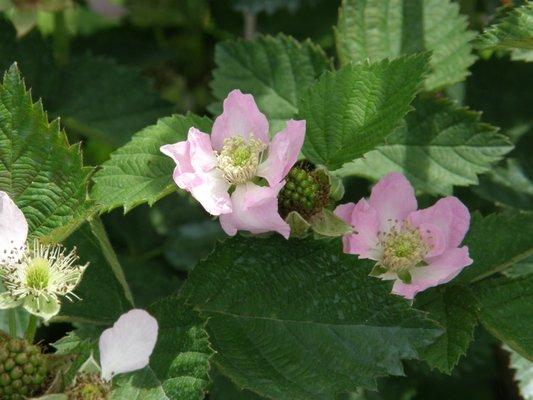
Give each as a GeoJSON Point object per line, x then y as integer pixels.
{"type": "Point", "coordinates": [239, 159]}
{"type": "Point", "coordinates": [38, 274]}
{"type": "Point", "coordinates": [306, 191]}
{"type": "Point", "coordinates": [89, 387]}
{"type": "Point", "coordinates": [403, 249]}
{"type": "Point", "coordinates": [23, 369]}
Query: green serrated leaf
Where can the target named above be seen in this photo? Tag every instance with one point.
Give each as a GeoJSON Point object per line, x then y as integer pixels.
{"type": "Point", "coordinates": [223, 389]}
{"type": "Point", "coordinates": [380, 29]}
{"type": "Point", "coordinates": [511, 30]}
{"type": "Point", "coordinates": [138, 172]}
{"type": "Point", "coordinates": [38, 168]}
{"type": "Point", "coordinates": [496, 242]}
{"type": "Point", "coordinates": [179, 364]}
{"type": "Point", "coordinates": [456, 310]}
{"type": "Point", "coordinates": [438, 146]}
{"type": "Point", "coordinates": [506, 305]}
{"type": "Point", "coordinates": [350, 111]}
{"type": "Point", "coordinates": [301, 320]}
{"type": "Point", "coordinates": [276, 70]}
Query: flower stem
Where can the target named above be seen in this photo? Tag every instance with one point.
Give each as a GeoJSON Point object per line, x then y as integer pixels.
{"type": "Point", "coordinates": [12, 321]}
{"type": "Point", "coordinates": [32, 327]}
{"type": "Point", "coordinates": [61, 38]}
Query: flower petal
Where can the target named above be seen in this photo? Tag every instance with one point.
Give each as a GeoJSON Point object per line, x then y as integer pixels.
{"type": "Point", "coordinates": [393, 197]}
{"type": "Point", "coordinates": [128, 345]}
{"type": "Point", "coordinates": [6, 301]}
{"type": "Point", "coordinates": [201, 152]}
{"type": "Point", "coordinates": [13, 229]}
{"type": "Point", "coordinates": [440, 270]}
{"type": "Point", "coordinates": [255, 209]}
{"type": "Point", "coordinates": [449, 215]}
{"type": "Point", "coordinates": [364, 219]}
{"type": "Point", "coordinates": [241, 117]}
{"type": "Point", "coordinates": [195, 172]}
{"type": "Point", "coordinates": [434, 238]}
{"type": "Point", "coordinates": [283, 152]}
{"type": "Point", "coordinates": [44, 307]}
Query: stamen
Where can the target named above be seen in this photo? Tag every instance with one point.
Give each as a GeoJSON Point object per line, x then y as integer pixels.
{"type": "Point", "coordinates": [239, 160]}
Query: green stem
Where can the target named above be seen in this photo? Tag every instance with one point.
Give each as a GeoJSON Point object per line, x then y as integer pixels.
{"type": "Point", "coordinates": [61, 38]}
{"type": "Point", "coordinates": [31, 329]}
{"type": "Point", "coordinates": [12, 321]}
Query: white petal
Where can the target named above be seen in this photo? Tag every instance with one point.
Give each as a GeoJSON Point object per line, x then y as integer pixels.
{"type": "Point", "coordinates": [13, 227]}
{"type": "Point", "coordinates": [127, 346]}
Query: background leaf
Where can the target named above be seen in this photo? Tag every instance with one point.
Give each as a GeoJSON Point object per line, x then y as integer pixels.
{"type": "Point", "coordinates": [496, 242]}
{"type": "Point", "coordinates": [506, 311]}
{"type": "Point", "coordinates": [302, 320]}
{"type": "Point", "coordinates": [511, 30]}
{"type": "Point", "coordinates": [379, 29]}
{"type": "Point", "coordinates": [456, 310]}
{"type": "Point", "coordinates": [350, 111]}
{"type": "Point", "coordinates": [276, 70]}
{"type": "Point", "coordinates": [438, 146]}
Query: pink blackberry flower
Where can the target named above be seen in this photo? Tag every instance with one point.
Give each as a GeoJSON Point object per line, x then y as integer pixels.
{"type": "Point", "coordinates": [417, 249]}
{"type": "Point", "coordinates": [224, 170]}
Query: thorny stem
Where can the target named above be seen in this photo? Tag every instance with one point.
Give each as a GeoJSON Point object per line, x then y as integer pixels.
{"type": "Point", "coordinates": [250, 22]}
{"type": "Point", "coordinates": [61, 38]}
{"type": "Point", "coordinates": [31, 329]}
{"type": "Point", "coordinates": [12, 322]}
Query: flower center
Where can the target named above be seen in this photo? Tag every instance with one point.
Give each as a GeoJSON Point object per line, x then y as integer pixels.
{"type": "Point", "coordinates": [239, 159]}
{"type": "Point", "coordinates": [403, 248]}
{"type": "Point", "coordinates": [38, 274]}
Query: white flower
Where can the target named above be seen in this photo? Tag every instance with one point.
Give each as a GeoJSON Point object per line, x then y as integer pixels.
{"type": "Point", "coordinates": [33, 277]}
{"type": "Point", "coordinates": [13, 230]}
{"type": "Point", "coordinates": [128, 345]}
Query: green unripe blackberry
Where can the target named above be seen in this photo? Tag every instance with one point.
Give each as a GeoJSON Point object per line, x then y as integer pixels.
{"type": "Point", "coordinates": [306, 191]}
{"type": "Point", "coordinates": [23, 369]}
{"type": "Point", "coordinates": [89, 387]}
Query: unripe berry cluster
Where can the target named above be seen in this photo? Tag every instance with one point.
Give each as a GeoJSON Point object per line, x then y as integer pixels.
{"type": "Point", "coordinates": [23, 369]}
{"type": "Point", "coordinates": [306, 191]}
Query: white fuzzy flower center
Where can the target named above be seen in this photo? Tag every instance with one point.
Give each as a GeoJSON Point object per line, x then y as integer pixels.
{"type": "Point", "coordinates": [239, 159]}
{"type": "Point", "coordinates": [403, 248]}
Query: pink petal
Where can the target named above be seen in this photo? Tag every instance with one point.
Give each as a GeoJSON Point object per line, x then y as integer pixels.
{"type": "Point", "coordinates": [210, 189]}
{"type": "Point", "coordinates": [434, 238]}
{"type": "Point", "coordinates": [201, 152]}
{"type": "Point", "coordinates": [364, 219]}
{"type": "Point", "coordinates": [180, 153]}
{"type": "Point", "coordinates": [195, 172]}
{"type": "Point", "coordinates": [255, 209]}
{"type": "Point", "coordinates": [344, 212]}
{"type": "Point", "coordinates": [440, 270]}
{"type": "Point", "coordinates": [107, 8]}
{"type": "Point", "coordinates": [449, 215]}
{"type": "Point", "coordinates": [393, 197]}
{"type": "Point", "coordinates": [241, 117]}
{"type": "Point", "coordinates": [128, 345]}
{"type": "Point", "coordinates": [13, 229]}
{"type": "Point", "coordinates": [283, 152]}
